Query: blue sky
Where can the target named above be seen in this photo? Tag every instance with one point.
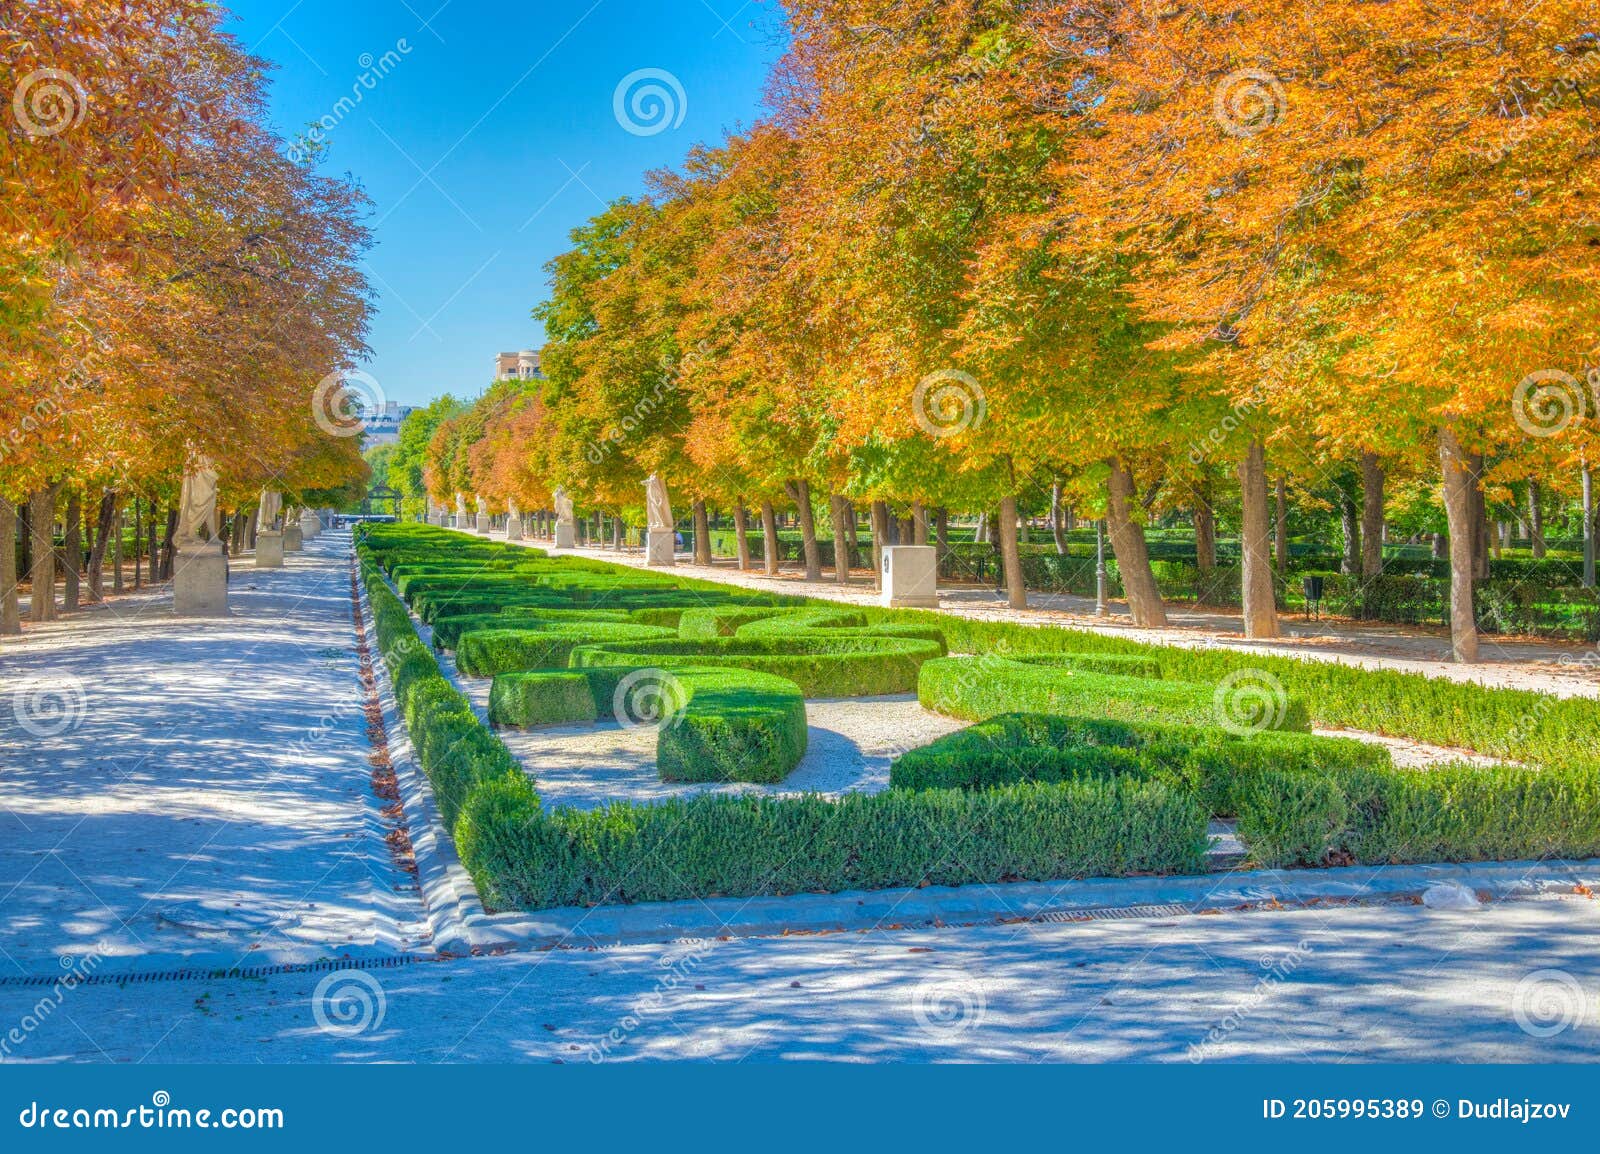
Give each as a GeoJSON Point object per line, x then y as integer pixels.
{"type": "Point", "coordinates": [485, 132]}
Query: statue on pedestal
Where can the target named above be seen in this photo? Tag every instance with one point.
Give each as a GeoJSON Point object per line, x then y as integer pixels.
{"type": "Point", "coordinates": [661, 536]}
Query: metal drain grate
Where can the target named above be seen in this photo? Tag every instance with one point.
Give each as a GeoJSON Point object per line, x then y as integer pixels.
{"type": "Point", "coordinates": [197, 973]}
{"type": "Point", "coordinates": [1118, 913]}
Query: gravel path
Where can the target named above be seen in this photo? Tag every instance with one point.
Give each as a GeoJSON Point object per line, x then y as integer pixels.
{"type": "Point", "coordinates": [1524, 664]}
{"type": "Point", "coordinates": [183, 789]}
{"type": "Point", "coordinates": [1328, 984]}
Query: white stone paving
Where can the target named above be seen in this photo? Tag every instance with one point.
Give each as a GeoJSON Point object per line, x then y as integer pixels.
{"type": "Point", "coordinates": [196, 789]}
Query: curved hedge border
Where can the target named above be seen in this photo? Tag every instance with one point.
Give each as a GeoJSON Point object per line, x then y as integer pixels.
{"type": "Point", "coordinates": [723, 724]}
{"type": "Point", "coordinates": [974, 688]}
{"type": "Point", "coordinates": [523, 857]}
{"type": "Point", "coordinates": [823, 664]}
{"type": "Point", "coordinates": [1299, 799]}
{"type": "Point", "coordinates": [487, 652]}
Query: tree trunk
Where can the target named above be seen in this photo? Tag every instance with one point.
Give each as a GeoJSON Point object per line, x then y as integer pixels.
{"type": "Point", "coordinates": [941, 530]}
{"type": "Point", "coordinates": [919, 523]}
{"type": "Point", "coordinates": [116, 549]}
{"type": "Point", "coordinates": [1057, 529]}
{"type": "Point", "coordinates": [769, 538]}
{"type": "Point", "coordinates": [1535, 519]}
{"type": "Point", "coordinates": [1441, 546]}
{"type": "Point", "coordinates": [842, 529]}
{"type": "Point", "coordinates": [1480, 518]}
{"type": "Point", "coordinates": [1456, 467]}
{"type": "Point", "coordinates": [1205, 529]}
{"type": "Point", "coordinates": [741, 535]}
{"type": "Point", "coordinates": [138, 543]}
{"type": "Point", "coordinates": [10, 616]}
{"type": "Point", "coordinates": [1350, 529]}
{"type": "Point", "coordinates": [808, 530]}
{"type": "Point", "coordinates": [1281, 542]}
{"type": "Point", "coordinates": [880, 534]}
{"type": "Point", "coordinates": [1260, 610]}
{"type": "Point", "coordinates": [1010, 555]}
{"type": "Point", "coordinates": [105, 520]}
{"type": "Point", "coordinates": [702, 534]}
{"type": "Point", "coordinates": [1588, 528]}
{"type": "Point", "coordinates": [1127, 543]}
{"type": "Point", "coordinates": [1372, 481]}
{"type": "Point", "coordinates": [169, 545]}
{"type": "Point", "coordinates": [908, 531]}
{"type": "Point", "coordinates": [72, 552]}
{"type": "Point", "coordinates": [42, 524]}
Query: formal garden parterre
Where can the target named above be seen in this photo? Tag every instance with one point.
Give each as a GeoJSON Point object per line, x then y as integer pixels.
{"type": "Point", "coordinates": [1089, 755]}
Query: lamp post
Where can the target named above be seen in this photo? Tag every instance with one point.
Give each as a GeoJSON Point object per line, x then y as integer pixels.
{"type": "Point", "coordinates": [1100, 568]}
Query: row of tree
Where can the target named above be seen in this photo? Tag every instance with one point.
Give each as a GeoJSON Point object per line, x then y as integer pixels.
{"type": "Point", "coordinates": [1148, 258]}
{"type": "Point", "coordinates": [174, 290]}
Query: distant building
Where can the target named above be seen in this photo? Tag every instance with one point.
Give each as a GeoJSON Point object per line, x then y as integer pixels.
{"type": "Point", "coordinates": [382, 426]}
{"type": "Point", "coordinates": [523, 366]}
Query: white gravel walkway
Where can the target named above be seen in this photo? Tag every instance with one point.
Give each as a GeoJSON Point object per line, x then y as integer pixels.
{"type": "Point", "coordinates": [196, 789]}
{"type": "Point", "coordinates": [1510, 982]}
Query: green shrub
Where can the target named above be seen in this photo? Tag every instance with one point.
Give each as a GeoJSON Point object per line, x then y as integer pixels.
{"type": "Point", "coordinates": [718, 621]}
{"type": "Point", "coordinates": [979, 687]}
{"type": "Point", "coordinates": [486, 652]}
{"type": "Point", "coordinates": [751, 846]}
{"type": "Point", "coordinates": [719, 724]}
{"type": "Point", "coordinates": [448, 628]}
{"type": "Point", "coordinates": [1126, 665]}
{"type": "Point", "coordinates": [823, 665]}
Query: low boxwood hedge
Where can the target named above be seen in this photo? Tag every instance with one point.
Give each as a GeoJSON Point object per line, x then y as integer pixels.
{"type": "Point", "coordinates": [978, 687]}
{"type": "Point", "coordinates": [448, 628]}
{"type": "Point", "coordinates": [486, 652]}
{"type": "Point", "coordinates": [748, 846]}
{"type": "Point", "coordinates": [717, 724]}
{"type": "Point", "coordinates": [822, 664]}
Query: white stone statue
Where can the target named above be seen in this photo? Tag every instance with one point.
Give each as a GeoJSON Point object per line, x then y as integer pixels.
{"type": "Point", "coordinates": [197, 505]}
{"type": "Point", "coordinates": [271, 505]}
{"type": "Point", "coordinates": [461, 509]}
{"type": "Point", "coordinates": [658, 505]}
{"type": "Point", "coordinates": [483, 506]}
{"type": "Point", "coordinates": [564, 514]}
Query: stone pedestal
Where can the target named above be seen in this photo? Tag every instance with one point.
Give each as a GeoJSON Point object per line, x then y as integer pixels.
{"type": "Point", "coordinates": [483, 523]}
{"type": "Point", "coordinates": [200, 580]}
{"type": "Point", "coordinates": [910, 577]}
{"type": "Point", "coordinates": [293, 539]}
{"type": "Point", "coordinates": [310, 525]}
{"type": "Point", "coordinates": [566, 535]}
{"type": "Point", "coordinates": [659, 547]}
{"type": "Point", "coordinates": [513, 528]}
{"type": "Point", "coordinates": [269, 549]}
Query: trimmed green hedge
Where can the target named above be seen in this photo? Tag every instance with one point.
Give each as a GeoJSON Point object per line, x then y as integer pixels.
{"type": "Point", "coordinates": [749, 846]}
{"type": "Point", "coordinates": [722, 724]}
{"type": "Point", "coordinates": [978, 687]}
{"type": "Point", "coordinates": [448, 628]}
{"type": "Point", "coordinates": [822, 664]}
{"type": "Point", "coordinates": [486, 652]}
